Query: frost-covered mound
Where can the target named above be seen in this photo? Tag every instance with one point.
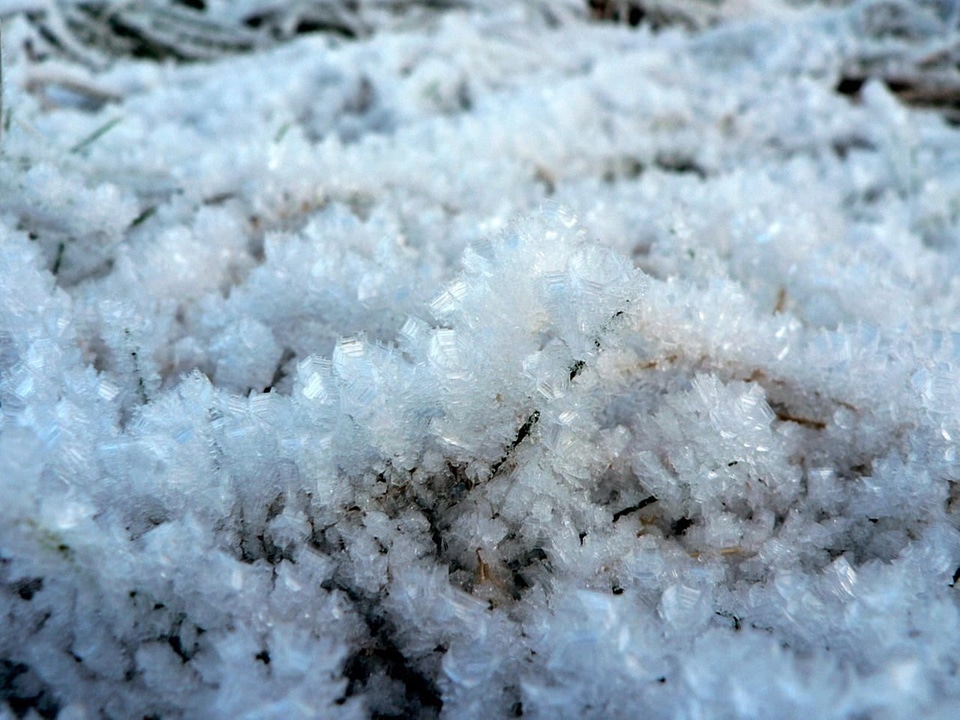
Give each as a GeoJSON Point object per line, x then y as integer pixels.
{"type": "Point", "coordinates": [498, 362]}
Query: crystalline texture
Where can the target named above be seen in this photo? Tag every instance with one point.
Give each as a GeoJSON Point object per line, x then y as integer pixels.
{"type": "Point", "coordinates": [481, 360]}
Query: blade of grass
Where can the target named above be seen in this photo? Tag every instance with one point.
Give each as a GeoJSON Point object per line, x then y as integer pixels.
{"type": "Point", "coordinates": [95, 135]}
{"type": "Point", "coordinates": [2, 121]}
{"type": "Point", "coordinates": [144, 216]}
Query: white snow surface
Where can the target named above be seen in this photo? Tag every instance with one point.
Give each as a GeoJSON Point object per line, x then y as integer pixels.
{"type": "Point", "coordinates": [494, 363]}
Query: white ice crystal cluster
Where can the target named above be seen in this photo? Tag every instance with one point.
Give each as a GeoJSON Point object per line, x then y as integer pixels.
{"type": "Point", "coordinates": [500, 362]}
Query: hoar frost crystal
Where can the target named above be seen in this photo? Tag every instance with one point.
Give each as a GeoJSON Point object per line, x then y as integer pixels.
{"type": "Point", "coordinates": [440, 374]}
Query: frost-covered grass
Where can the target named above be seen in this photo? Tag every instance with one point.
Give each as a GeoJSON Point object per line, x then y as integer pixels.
{"type": "Point", "coordinates": [484, 360]}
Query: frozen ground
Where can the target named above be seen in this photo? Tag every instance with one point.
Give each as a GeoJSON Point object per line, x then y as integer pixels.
{"type": "Point", "coordinates": [479, 359]}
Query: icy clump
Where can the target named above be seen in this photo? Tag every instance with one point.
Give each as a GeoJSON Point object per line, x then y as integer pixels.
{"type": "Point", "coordinates": [496, 363]}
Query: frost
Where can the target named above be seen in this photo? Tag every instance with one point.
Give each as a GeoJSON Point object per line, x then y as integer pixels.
{"type": "Point", "coordinates": [479, 360]}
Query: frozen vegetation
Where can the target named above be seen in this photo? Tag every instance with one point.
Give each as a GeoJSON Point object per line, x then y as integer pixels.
{"type": "Point", "coordinates": [480, 359]}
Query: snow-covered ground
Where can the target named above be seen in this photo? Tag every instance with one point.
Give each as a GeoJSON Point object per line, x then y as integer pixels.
{"type": "Point", "coordinates": [480, 359]}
